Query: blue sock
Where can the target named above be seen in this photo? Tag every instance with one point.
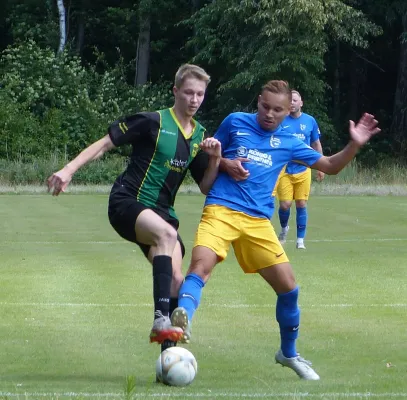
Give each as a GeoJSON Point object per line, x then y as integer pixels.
{"type": "Point", "coordinates": [284, 216]}
{"type": "Point", "coordinates": [189, 295]}
{"type": "Point", "coordinates": [288, 317]}
{"type": "Point", "coordinates": [302, 218]}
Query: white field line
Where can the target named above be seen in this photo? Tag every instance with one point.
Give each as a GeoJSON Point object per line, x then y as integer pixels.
{"type": "Point", "coordinates": [210, 395]}
{"type": "Point", "coordinates": [7, 242]}
{"type": "Point", "coordinates": [213, 305]}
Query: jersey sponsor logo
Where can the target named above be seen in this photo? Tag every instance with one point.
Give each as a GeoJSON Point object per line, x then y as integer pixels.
{"type": "Point", "coordinates": [254, 155]}
{"type": "Point", "coordinates": [168, 132]}
{"type": "Point", "coordinates": [275, 142]}
{"type": "Point", "coordinates": [195, 149]}
{"type": "Point", "coordinates": [241, 151]}
{"type": "Point", "coordinates": [176, 165]}
{"type": "Point", "coordinates": [123, 127]}
{"type": "Point", "coordinates": [238, 133]}
{"type": "Point", "coordinates": [260, 158]}
{"type": "Point", "coordinates": [303, 127]}
{"type": "Point", "coordinates": [300, 136]}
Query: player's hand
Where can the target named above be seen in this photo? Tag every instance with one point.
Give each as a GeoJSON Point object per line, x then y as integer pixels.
{"type": "Point", "coordinates": [320, 176]}
{"type": "Point", "coordinates": [212, 146]}
{"type": "Point", "coordinates": [364, 129]}
{"type": "Point", "coordinates": [234, 169]}
{"type": "Point", "coordinates": [58, 181]}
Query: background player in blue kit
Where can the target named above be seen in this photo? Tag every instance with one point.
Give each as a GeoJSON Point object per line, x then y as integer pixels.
{"type": "Point", "coordinates": [295, 182]}
{"type": "Point", "coordinates": [238, 212]}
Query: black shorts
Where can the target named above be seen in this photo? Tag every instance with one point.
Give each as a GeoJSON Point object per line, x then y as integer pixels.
{"type": "Point", "coordinates": [123, 211]}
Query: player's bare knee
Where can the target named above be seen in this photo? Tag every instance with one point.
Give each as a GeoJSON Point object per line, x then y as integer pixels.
{"type": "Point", "coordinates": [167, 237]}
{"type": "Point", "coordinates": [301, 203]}
{"type": "Point", "coordinates": [280, 277]}
{"type": "Point", "coordinates": [285, 205]}
{"type": "Point", "coordinates": [203, 261]}
{"type": "Point", "coordinates": [289, 285]}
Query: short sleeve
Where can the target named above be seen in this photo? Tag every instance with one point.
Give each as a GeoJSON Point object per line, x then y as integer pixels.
{"type": "Point", "coordinates": [304, 154]}
{"type": "Point", "coordinates": [315, 133]}
{"type": "Point", "coordinates": [127, 129]}
{"type": "Point", "coordinates": [223, 132]}
{"type": "Point", "coordinates": [198, 166]}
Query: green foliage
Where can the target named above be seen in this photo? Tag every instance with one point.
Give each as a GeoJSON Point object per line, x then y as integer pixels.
{"type": "Point", "coordinates": [36, 172]}
{"type": "Point", "coordinates": [106, 170]}
{"type": "Point", "coordinates": [348, 24]}
{"type": "Point", "coordinates": [35, 20]}
{"type": "Point", "coordinates": [58, 105]}
{"type": "Point", "coordinates": [385, 172]}
{"type": "Point", "coordinates": [250, 42]}
{"type": "Point", "coordinates": [53, 104]}
{"type": "Point", "coordinates": [17, 129]}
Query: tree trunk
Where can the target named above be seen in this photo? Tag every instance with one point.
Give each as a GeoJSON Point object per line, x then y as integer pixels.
{"type": "Point", "coordinates": [399, 122]}
{"type": "Point", "coordinates": [143, 45]}
{"type": "Point", "coordinates": [62, 28]}
{"type": "Point", "coordinates": [353, 87]}
{"type": "Point", "coordinates": [81, 32]}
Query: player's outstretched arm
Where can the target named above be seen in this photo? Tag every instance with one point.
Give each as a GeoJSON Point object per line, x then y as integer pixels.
{"type": "Point", "coordinates": [316, 145]}
{"type": "Point", "coordinates": [59, 181]}
{"type": "Point", "coordinates": [360, 134]}
{"type": "Point", "coordinates": [213, 147]}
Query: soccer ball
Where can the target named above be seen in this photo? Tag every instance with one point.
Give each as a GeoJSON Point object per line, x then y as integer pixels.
{"type": "Point", "coordinates": [176, 366]}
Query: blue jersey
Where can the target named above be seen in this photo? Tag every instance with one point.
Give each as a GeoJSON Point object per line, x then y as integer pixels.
{"type": "Point", "coordinates": [304, 128]}
{"type": "Point", "coordinates": [268, 152]}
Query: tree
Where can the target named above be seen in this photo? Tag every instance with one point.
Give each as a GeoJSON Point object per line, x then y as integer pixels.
{"type": "Point", "coordinates": [143, 43]}
{"type": "Point", "coordinates": [62, 29]}
{"type": "Point", "coordinates": [399, 122]}
{"type": "Point", "coordinates": [248, 42]}
{"type": "Point", "coordinates": [390, 51]}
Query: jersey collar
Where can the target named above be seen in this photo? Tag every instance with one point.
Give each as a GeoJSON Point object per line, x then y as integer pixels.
{"type": "Point", "coordinates": [186, 136]}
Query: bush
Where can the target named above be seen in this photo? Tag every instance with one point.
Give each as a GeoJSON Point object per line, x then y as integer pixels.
{"type": "Point", "coordinates": [52, 104]}
{"type": "Point", "coordinates": [103, 171]}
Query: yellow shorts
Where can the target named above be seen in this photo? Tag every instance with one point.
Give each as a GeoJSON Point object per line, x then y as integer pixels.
{"type": "Point", "coordinates": [274, 194]}
{"type": "Point", "coordinates": [253, 239]}
{"type": "Point", "coordinates": [295, 186]}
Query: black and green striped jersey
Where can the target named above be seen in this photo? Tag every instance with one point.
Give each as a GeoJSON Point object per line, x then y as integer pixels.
{"type": "Point", "coordinates": [161, 155]}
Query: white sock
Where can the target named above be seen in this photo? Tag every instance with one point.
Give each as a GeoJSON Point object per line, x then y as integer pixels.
{"type": "Point", "coordinates": [300, 240]}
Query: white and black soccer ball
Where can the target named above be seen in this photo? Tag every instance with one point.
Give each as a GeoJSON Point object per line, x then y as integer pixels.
{"type": "Point", "coordinates": [176, 366]}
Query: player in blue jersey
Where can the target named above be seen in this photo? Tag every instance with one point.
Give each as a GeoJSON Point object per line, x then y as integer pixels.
{"type": "Point", "coordinates": [237, 212]}
{"type": "Point", "coordinates": [295, 182]}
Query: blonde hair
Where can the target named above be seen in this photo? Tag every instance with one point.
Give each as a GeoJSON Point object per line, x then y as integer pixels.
{"type": "Point", "coordinates": [277, 87]}
{"type": "Point", "coordinates": [297, 93]}
{"type": "Point", "coordinates": [190, 70]}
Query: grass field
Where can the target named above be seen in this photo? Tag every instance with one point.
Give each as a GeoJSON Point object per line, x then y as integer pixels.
{"type": "Point", "coordinates": [76, 306]}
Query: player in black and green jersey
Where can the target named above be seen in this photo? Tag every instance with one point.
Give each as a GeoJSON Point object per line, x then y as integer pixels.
{"type": "Point", "coordinates": [165, 145]}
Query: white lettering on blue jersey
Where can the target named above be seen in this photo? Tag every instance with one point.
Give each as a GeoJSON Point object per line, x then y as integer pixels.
{"type": "Point", "coordinates": [267, 151]}
{"type": "Point", "coordinates": [305, 128]}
